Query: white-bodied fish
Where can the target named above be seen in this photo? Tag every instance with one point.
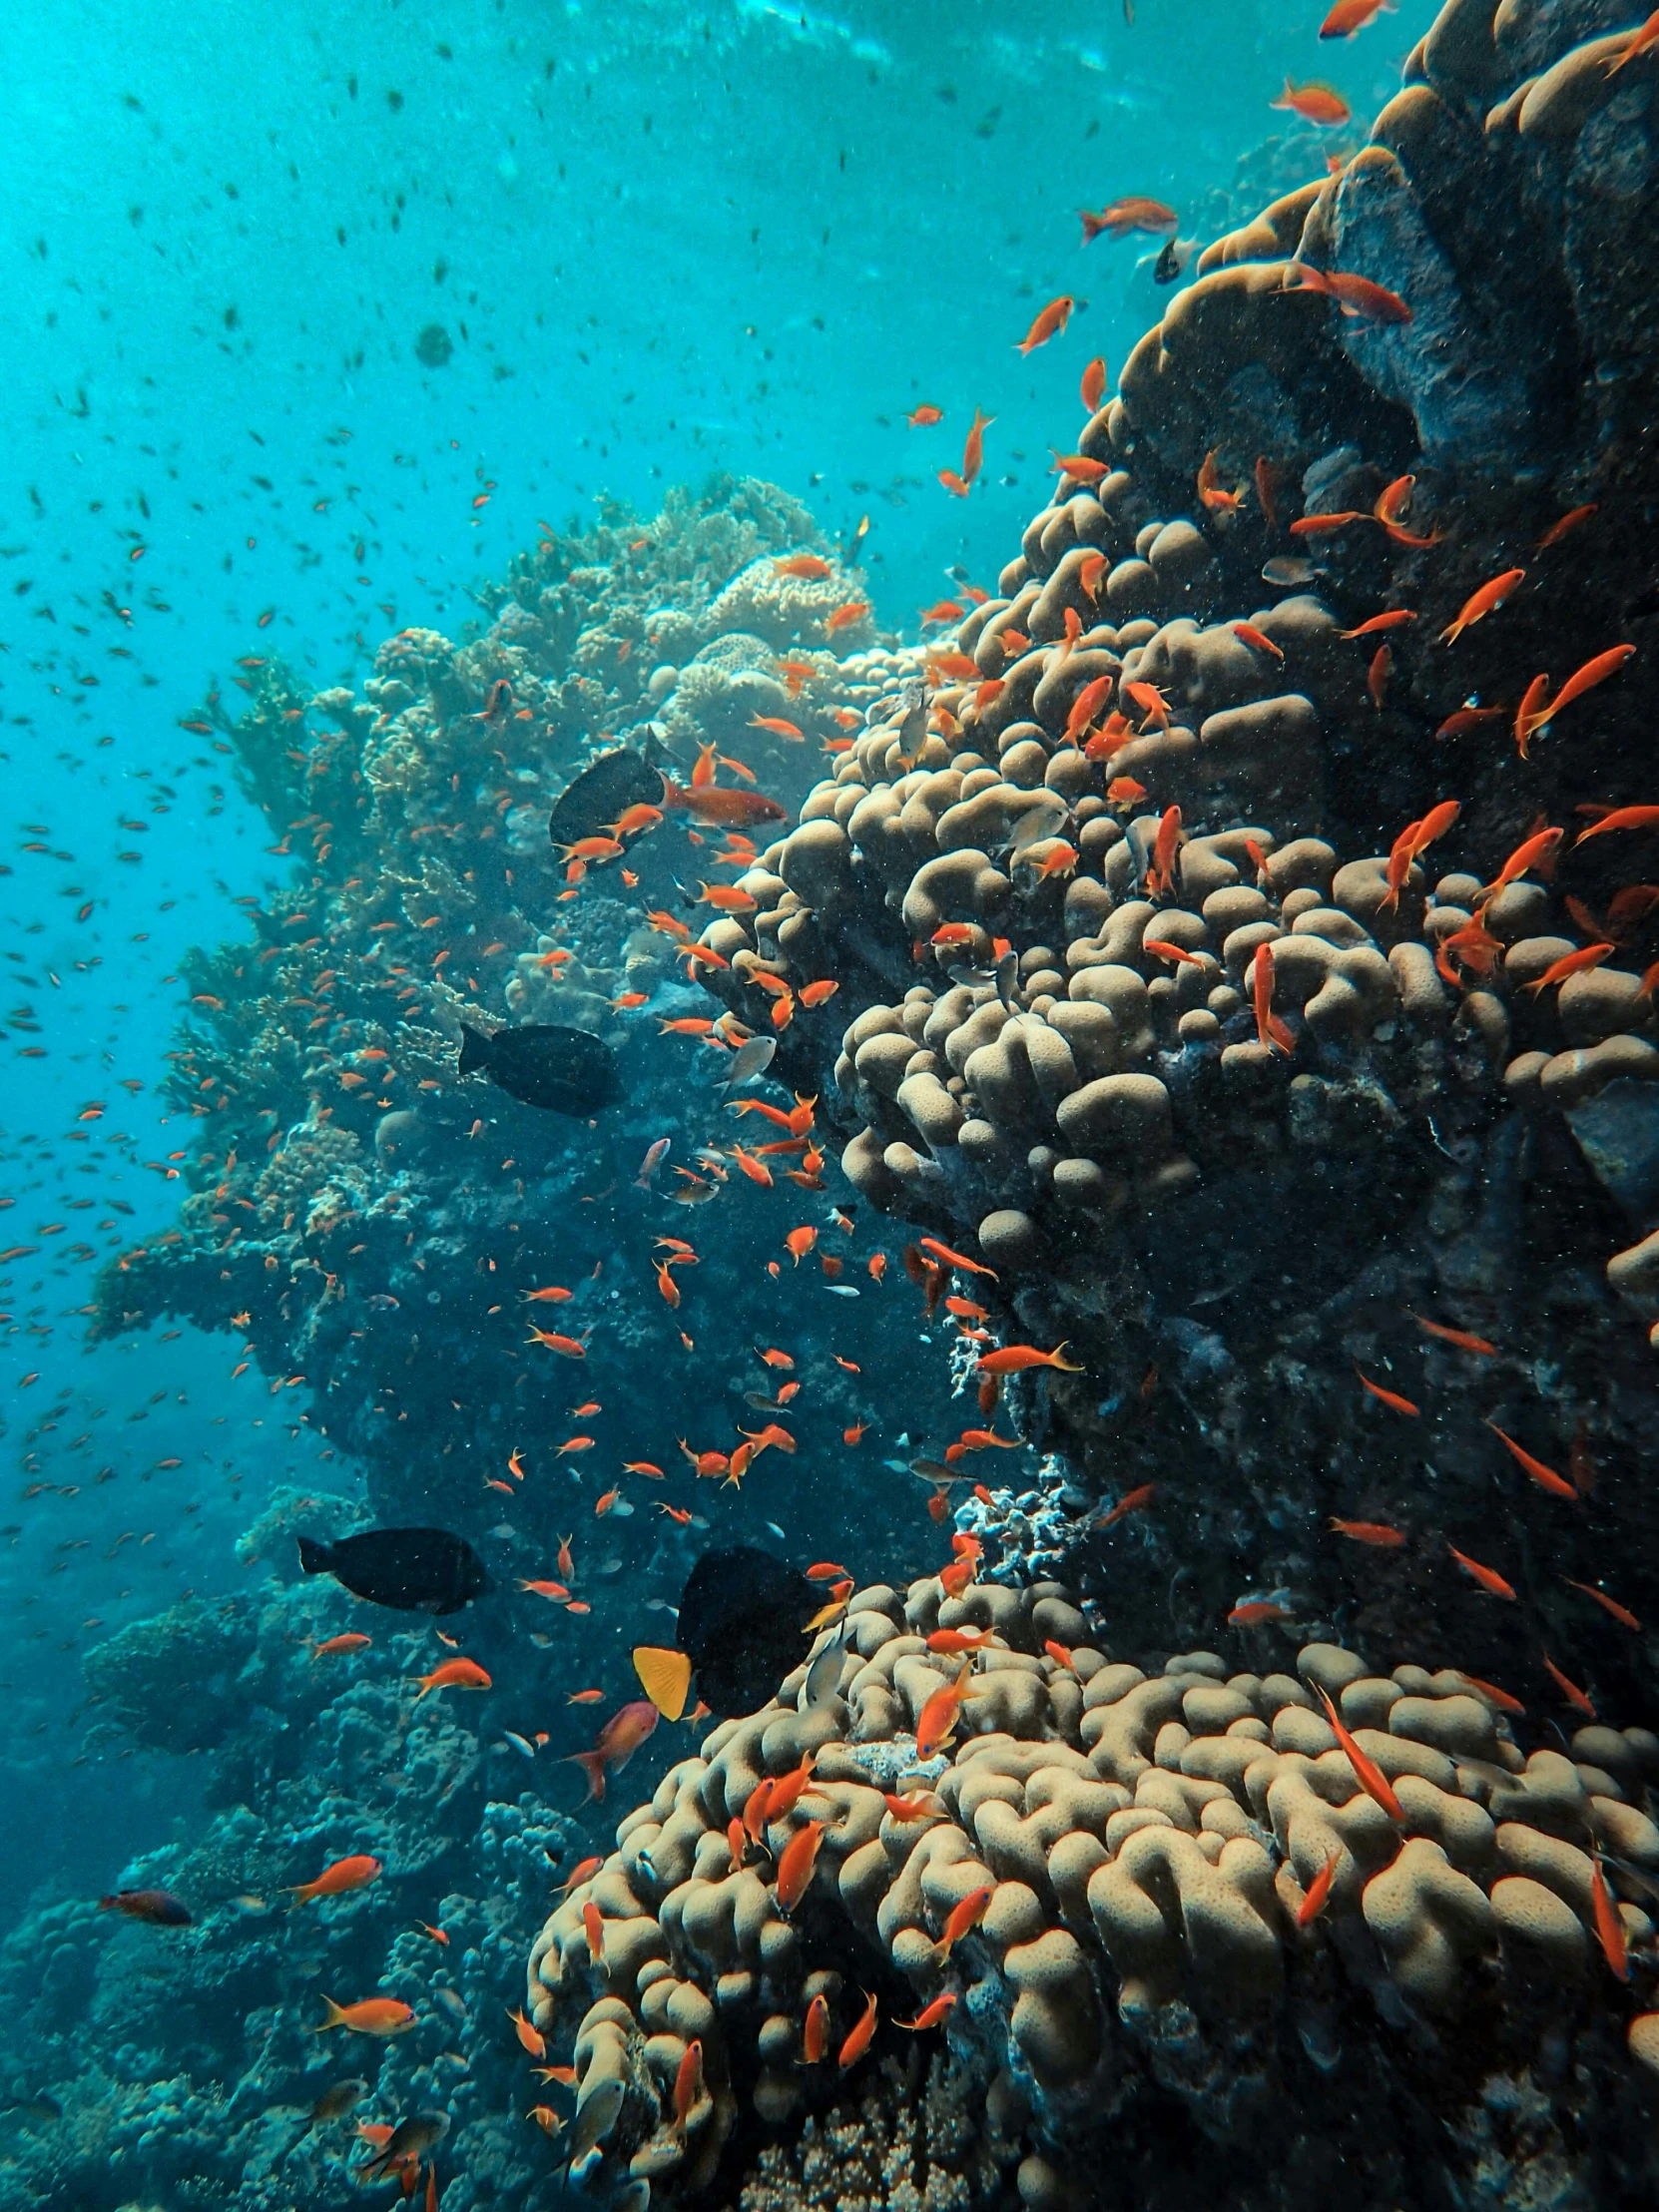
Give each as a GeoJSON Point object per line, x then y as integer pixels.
{"type": "Point", "coordinates": [750, 1060]}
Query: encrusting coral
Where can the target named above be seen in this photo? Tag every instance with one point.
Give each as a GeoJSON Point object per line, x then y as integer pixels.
{"type": "Point", "coordinates": [1126, 1886]}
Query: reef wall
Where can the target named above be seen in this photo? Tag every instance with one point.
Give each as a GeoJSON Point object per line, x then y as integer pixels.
{"type": "Point", "coordinates": [1277, 692]}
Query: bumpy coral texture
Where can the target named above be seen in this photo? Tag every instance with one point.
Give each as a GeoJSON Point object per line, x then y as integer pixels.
{"type": "Point", "coordinates": [1147, 1839]}
{"type": "Point", "coordinates": [1101, 1119]}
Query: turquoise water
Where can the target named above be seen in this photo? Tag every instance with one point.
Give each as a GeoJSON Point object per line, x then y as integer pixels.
{"type": "Point", "coordinates": [319, 321]}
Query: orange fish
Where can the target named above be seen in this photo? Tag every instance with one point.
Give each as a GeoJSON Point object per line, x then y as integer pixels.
{"type": "Point", "coordinates": [1349, 17]}
{"type": "Point", "coordinates": [1574, 1696]}
{"type": "Point", "coordinates": [454, 1674]}
{"type": "Point", "coordinates": [858, 2041]}
{"type": "Point", "coordinates": [616, 1742]}
{"type": "Point", "coordinates": [1367, 1772]}
{"type": "Point", "coordinates": [1609, 1927]}
{"type": "Point", "coordinates": [1622, 817]}
{"type": "Point", "coordinates": [1271, 1033]}
{"type": "Point", "coordinates": [1490, 1692]}
{"type": "Point", "coordinates": [963, 1918]}
{"type": "Point", "coordinates": [528, 2033]}
{"type": "Point", "coordinates": [1545, 1477]}
{"type": "Point", "coordinates": [800, 1242]}
{"type": "Point", "coordinates": [1123, 791]}
{"type": "Point", "coordinates": [1052, 319]}
{"type": "Point", "coordinates": [1211, 492]}
{"type": "Point", "coordinates": [1318, 1890]}
{"type": "Point", "coordinates": [382, 2017]}
{"type": "Point", "coordinates": [796, 1865]}
{"type": "Point", "coordinates": [918, 1805]}
{"type": "Point", "coordinates": [924, 416]}
{"type": "Point", "coordinates": [568, 1347]}
{"type": "Point", "coordinates": [815, 2031]}
{"type": "Point", "coordinates": [930, 2016]}
{"type": "Point", "coordinates": [1092, 389]}
{"type": "Point", "coordinates": [1488, 1577]}
{"type": "Point", "coordinates": [936, 1722]}
{"type": "Point", "coordinates": [1248, 634]}
{"type": "Point", "coordinates": [1486, 601]}
{"type": "Point", "coordinates": [955, 1259]}
{"type": "Point", "coordinates": [1086, 705]}
{"type": "Point", "coordinates": [554, 1590]}
{"type": "Point", "coordinates": [593, 1927]}
{"type": "Point", "coordinates": [815, 994]}
{"type": "Point", "coordinates": [780, 726]}
{"type": "Point", "coordinates": [338, 1879]}
{"type": "Point", "coordinates": [1121, 217]}
{"type": "Point", "coordinates": [353, 1640]}
{"type": "Point", "coordinates": [1459, 1336]}
{"type": "Point", "coordinates": [1315, 103]}
{"type": "Point", "coordinates": [1570, 963]}
{"type": "Point", "coordinates": [1642, 41]}
{"type": "Point", "coordinates": [809, 567]}
{"type": "Point", "coordinates": [1129, 1503]}
{"type": "Point", "coordinates": [1360, 300]}
{"type": "Point", "coordinates": [1569, 522]}
{"type": "Point", "coordinates": [1256, 1613]}
{"type": "Point", "coordinates": [1017, 1359]}
{"type": "Point", "coordinates": [973, 449]}
{"type": "Point", "coordinates": [1082, 471]}
{"type": "Point", "coordinates": [689, 2082]}
{"type": "Point", "coordinates": [1377, 1533]}
{"type": "Point", "coordinates": [1160, 873]}
{"type": "Point", "coordinates": [1394, 619]}
{"type": "Point", "coordinates": [1621, 1613]}
{"type": "Point", "coordinates": [1390, 1398]}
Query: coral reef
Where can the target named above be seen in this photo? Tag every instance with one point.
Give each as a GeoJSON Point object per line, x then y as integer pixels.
{"type": "Point", "coordinates": [1174, 988]}
{"type": "Point", "coordinates": [354, 1205]}
{"type": "Point", "coordinates": [1162, 1888]}
{"type": "Point", "coordinates": [183, 2061]}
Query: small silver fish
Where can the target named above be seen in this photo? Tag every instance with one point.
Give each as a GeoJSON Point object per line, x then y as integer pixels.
{"type": "Point", "coordinates": [596, 2115]}
{"type": "Point", "coordinates": [912, 726]}
{"type": "Point", "coordinates": [1287, 569]}
{"type": "Point", "coordinates": [1008, 974]}
{"type": "Point", "coordinates": [750, 1060]}
{"type": "Point", "coordinates": [410, 2139]}
{"type": "Point", "coordinates": [520, 1743]}
{"type": "Point", "coordinates": [451, 2001]}
{"type": "Point", "coordinates": [823, 1674]}
{"type": "Point", "coordinates": [661, 1605]}
{"type": "Point", "coordinates": [842, 1290]}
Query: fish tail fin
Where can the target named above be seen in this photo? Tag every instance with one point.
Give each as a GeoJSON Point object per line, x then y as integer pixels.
{"type": "Point", "coordinates": [315, 1557]}
{"type": "Point", "coordinates": [335, 2018]}
{"type": "Point", "coordinates": [592, 1764]}
{"type": "Point", "coordinates": [475, 1051]}
{"type": "Point", "coordinates": [673, 796]}
{"type": "Point", "coordinates": [109, 1904]}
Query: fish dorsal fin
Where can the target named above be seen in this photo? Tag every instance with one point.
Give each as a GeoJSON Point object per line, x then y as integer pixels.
{"type": "Point", "coordinates": [665, 1677]}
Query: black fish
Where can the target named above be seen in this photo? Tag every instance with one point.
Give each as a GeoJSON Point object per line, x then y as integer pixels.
{"type": "Point", "coordinates": [602, 794]}
{"type": "Point", "coordinates": [566, 1070]}
{"type": "Point", "coordinates": [414, 1571]}
{"type": "Point", "coordinates": [741, 1622]}
{"type": "Point", "coordinates": [159, 1906]}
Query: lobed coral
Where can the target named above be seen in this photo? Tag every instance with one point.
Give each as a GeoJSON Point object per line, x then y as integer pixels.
{"type": "Point", "coordinates": [1046, 1046]}
{"type": "Point", "coordinates": [1142, 1855]}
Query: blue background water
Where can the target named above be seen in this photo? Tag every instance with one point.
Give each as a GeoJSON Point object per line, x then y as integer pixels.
{"type": "Point", "coordinates": [663, 241]}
